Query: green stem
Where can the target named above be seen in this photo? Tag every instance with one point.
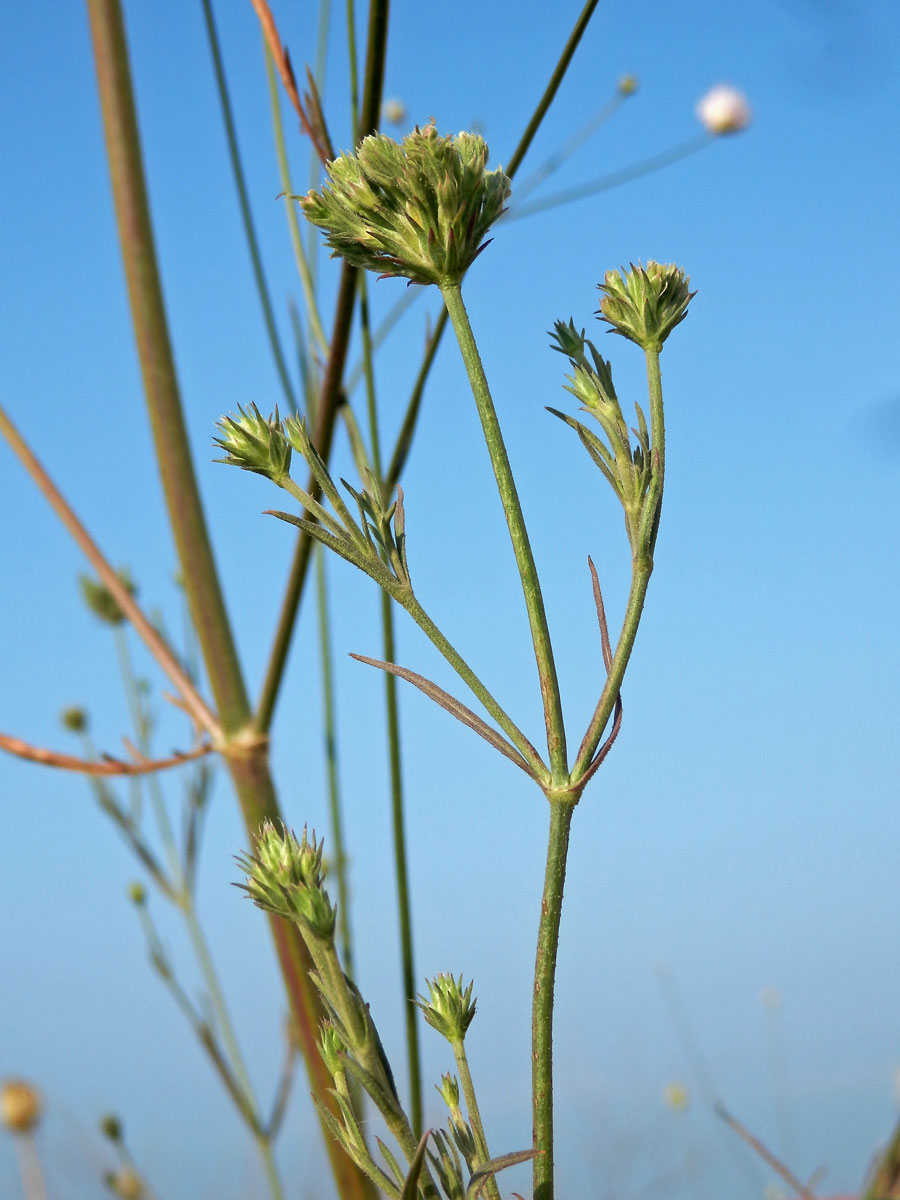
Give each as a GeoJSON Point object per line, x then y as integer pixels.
{"type": "Point", "coordinates": [158, 366]}
{"type": "Point", "coordinates": [290, 207]}
{"type": "Point", "coordinates": [559, 72]}
{"type": "Point", "coordinates": [247, 761]}
{"type": "Point", "coordinates": [531, 588]}
{"type": "Point", "coordinates": [641, 570]}
{"type": "Point", "coordinates": [615, 179]}
{"type": "Point", "coordinates": [542, 1010]}
{"type": "Point", "coordinates": [398, 820]}
{"type": "Point", "coordinates": [474, 1114]}
{"type": "Point", "coordinates": [244, 202]}
{"type": "Point", "coordinates": [326, 416]}
{"type": "Point", "coordinates": [401, 870]}
{"type": "Point", "coordinates": [339, 858]}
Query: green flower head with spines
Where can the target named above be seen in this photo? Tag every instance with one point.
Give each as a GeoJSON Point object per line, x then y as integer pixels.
{"type": "Point", "coordinates": [286, 877]}
{"type": "Point", "coordinates": [644, 304]}
{"type": "Point", "coordinates": [419, 209]}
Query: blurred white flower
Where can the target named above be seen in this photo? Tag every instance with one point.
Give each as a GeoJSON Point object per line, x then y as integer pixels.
{"type": "Point", "coordinates": [393, 111]}
{"type": "Point", "coordinates": [724, 110]}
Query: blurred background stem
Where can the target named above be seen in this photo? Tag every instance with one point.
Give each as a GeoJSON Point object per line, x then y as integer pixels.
{"type": "Point", "coordinates": [248, 765]}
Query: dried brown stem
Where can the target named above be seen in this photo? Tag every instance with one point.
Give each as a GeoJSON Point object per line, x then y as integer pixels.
{"type": "Point", "coordinates": [763, 1151]}
{"type": "Point", "coordinates": [194, 703]}
{"type": "Point", "coordinates": [282, 62]}
{"type": "Point", "coordinates": [107, 765]}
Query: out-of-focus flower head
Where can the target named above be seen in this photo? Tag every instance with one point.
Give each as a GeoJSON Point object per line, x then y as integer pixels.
{"type": "Point", "coordinates": [393, 111]}
{"type": "Point", "coordinates": [724, 110]}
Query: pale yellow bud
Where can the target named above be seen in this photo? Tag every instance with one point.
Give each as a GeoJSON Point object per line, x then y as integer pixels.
{"type": "Point", "coordinates": [20, 1105]}
{"type": "Point", "coordinates": [676, 1097]}
{"type": "Point", "coordinates": [127, 1183]}
{"type": "Point", "coordinates": [393, 111]}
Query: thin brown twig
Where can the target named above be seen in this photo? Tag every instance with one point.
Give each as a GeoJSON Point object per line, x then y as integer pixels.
{"type": "Point", "coordinates": [106, 765]}
{"type": "Point", "coordinates": [763, 1151]}
{"type": "Point", "coordinates": [152, 639]}
{"type": "Point", "coordinates": [282, 62]}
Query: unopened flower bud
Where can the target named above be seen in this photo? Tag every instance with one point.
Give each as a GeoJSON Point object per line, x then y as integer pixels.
{"type": "Point", "coordinates": [644, 304]}
{"type": "Point", "coordinates": [75, 718]}
{"type": "Point", "coordinates": [393, 111]}
{"type": "Point", "coordinates": [111, 1127]}
{"type": "Point", "coordinates": [20, 1105]}
{"type": "Point", "coordinates": [331, 1046]}
{"type": "Point", "coordinates": [286, 877]}
{"type": "Point", "coordinates": [255, 443]}
{"type": "Point", "coordinates": [449, 1009]}
{"type": "Point", "coordinates": [137, 894]}
{"type": "Point", "coordinates": [724, 110]}
{"type": "Point", "coordinates": [100, 599]}
{"type": "Point", "coordinates": [126, 1183]}
{"type": "Point", "coordinates": [419, 208]}
{"type": "Point", "coordinates": [627, 85]}
{"type": "Point", "coordinates": [676, 1097]}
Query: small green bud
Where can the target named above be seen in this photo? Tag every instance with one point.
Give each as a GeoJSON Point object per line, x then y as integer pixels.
{"type": "Point", "coordinates": [137, 894]}
{"type": "Point", "coordinates": [419, 209]}
{"type": "Point", "coordinates": [285, 877]}
{"type": "Point", "coordinates": [448, 1090]}
{"type": "Point", "coordinates": [645, 304]}
{"type": "Point", "coordinates": [75, 718]}
{"type": "Point", "coordinates": [255, 443]}
{"type": "Point", "coordinates": [449, 1009]}
{"type": "Point", "coordinates": [331, 1047]}
{"type": "Point", "coordinates": [627, 85]}
{"type": "Point", "coordinates": [99, 598]}
{"type": "Point", "coordinates": [111, 1127]}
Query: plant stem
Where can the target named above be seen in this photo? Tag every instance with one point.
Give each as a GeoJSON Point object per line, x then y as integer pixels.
{"type": "Point", "coordinates": [392, 712]}
{"type": "Point", "coordinates": [559, 72]}
{"type": "Point", "coordinates": [246, 758]}
{"type": "Point", "coordinates": [339, 858]}
{"type": "Point", "coordinates": [542, 1010]}
{"type": "Point", "coordinates": [641, 570]}
{"type": "Point", "coordinates": [290, 207]}
{"type": "Point", "coordinates": [474, 1114]}
{"type": "Point", "coordinates": [326, 415]}
{"type": "Point", "coordinates": [531, 588]}
{"type": "Point", "coordinates": [244, 204]}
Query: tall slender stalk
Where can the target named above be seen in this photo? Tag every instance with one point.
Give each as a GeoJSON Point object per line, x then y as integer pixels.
{"type": "Point", "coordinates": [240, 184]}
{"type": "Point", "coordinates": [339, 858]}
{"type": "Point", "coordinates": [544, 983]}
{"type": "Point", "coordinates": [531, 587]}
{"type": "Point", "coordinates": [246, 757]}
{"type": "Point", "coordinates": [392, 710]}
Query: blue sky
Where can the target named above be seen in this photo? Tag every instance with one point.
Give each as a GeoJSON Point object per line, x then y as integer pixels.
{"type": "Point", "coordinates": [743, 831]}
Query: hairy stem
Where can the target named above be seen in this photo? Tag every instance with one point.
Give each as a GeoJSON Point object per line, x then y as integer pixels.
{"type": "Point", "coordinates": [474, 1114]}
{"type": "Point", "coordinates": [531, 588]}
{"type": "Point", "coordinates": [542, 1009]}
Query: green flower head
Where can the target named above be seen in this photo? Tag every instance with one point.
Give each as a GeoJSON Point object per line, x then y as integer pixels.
{"type": "Point", "coordinates": [449, 1007]}
{"type": "Point", "coordinates": [254, 443]}
{"type": "Point", "coordinates": [645, 304]}
{"type": "Point", "coordinates": [419, 209]}
{"type": "Point", "coordinates": [286, 877]}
